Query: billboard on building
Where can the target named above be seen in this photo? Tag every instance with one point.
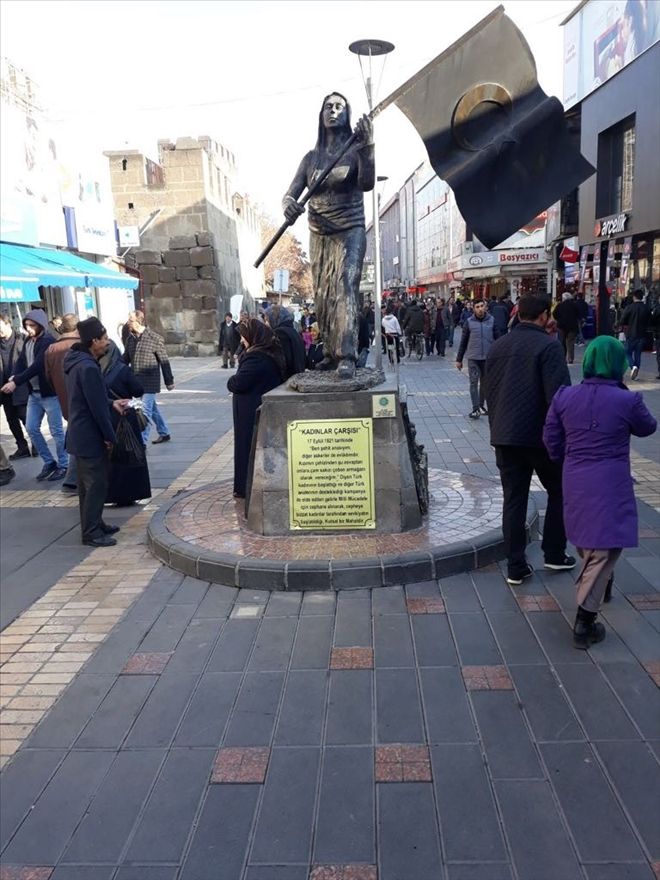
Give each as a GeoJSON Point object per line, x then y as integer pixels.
{"type": "Point", "coordinates": [86, 188]}
{"type": "Point", "coordinates": [602, 38]}
{"type": "Point", "coordinates": [29, 180]}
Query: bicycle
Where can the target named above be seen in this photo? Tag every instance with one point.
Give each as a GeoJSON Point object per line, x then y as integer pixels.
{"type": "Point", "coordinates": [415, 344]}
{"type": "Point", "coordinates": [391, 344]}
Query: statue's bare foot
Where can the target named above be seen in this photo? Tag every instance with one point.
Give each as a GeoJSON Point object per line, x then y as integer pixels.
{"type": "Point", "coordinates": [326, 364]}
{"type": "Point", "coordinates": [346, 369]}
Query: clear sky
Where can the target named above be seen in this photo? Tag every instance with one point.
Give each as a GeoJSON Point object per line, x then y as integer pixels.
{"type": "Point", "coordinates": [251, 74]}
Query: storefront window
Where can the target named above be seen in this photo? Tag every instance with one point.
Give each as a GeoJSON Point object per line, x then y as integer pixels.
{"type": "Point", "coordinates": [616, 166]}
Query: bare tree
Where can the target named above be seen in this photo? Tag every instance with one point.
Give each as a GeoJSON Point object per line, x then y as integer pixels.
{"type": "Point", "coordinates": [287, 254]}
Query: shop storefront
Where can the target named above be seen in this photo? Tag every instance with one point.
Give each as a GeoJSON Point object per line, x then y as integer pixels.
{"type": "Point", "coordinates": [494, 274]}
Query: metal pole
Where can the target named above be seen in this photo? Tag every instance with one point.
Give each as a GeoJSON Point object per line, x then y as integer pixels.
{"type": "Point", "coordinates": [378, 281]}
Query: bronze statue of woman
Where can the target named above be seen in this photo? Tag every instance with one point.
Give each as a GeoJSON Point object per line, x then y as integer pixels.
{"type": "Point", "coordinates": [337, 231]}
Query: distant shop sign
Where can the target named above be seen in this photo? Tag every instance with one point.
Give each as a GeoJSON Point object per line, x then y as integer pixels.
{"type": "Point", "coordinates": [522, 257]}
{"type": "Point", "coordinates": [613, 225]}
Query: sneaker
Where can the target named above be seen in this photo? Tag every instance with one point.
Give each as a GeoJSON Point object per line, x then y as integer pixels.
{"type": "Point", "coordinates": [565, 564]}
{"type": "Point", "coordinates": [58, 474]}
{"type": "Point", "coordinates": [516, 578]}
{"type": "Point", "coordinates": [7, 475]}
{"type": "Point", "coordinates": [634, 372]}
{"type": "Point", "coordinates": [20, 453]}
{"type": "Point", "coordinates": [46, 471]}
{"type": "Point", "coordinates": [474, 414]}
{"type": "Point", "coordinates": [483, 410]}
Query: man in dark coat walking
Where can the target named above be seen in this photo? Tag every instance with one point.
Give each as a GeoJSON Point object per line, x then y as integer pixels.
{"type": "Point", "coordinates": [230, 339]}
{"type": "Point", "coordinates": [14, 403]}
{"type": "Point", "coordinates": [146, 354]}
{"type": "Point", "coordinates": [635, 320]}
{"type": "Point", "coordinates": [567, 316]}
{"type": "Point", "coordinates": [523, 371]}
{"type": "Point", "coordinates": [90, 435]}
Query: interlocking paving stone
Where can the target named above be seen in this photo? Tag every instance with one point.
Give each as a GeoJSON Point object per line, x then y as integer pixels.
{"type": "Point", "coordinates": [621, 871]}
{"type": "Point", "coordinates": [544, 704]}
{"type": "Point", "coordinates": [344, 872]}
{"type": "Point", "coordinates": [145, 872]}
{"type": "Point", "coordinates": [638, 694]}
{"type": "Point", "coordinates": [159, 717]}
{"type": "Point", "coordinates": [311, 649]}
{"type": "Point", "coordinates": [102, 834]}
{"type": "Point", "coordinates": [402, 763]}
{"type": "Point", "coordinates": [284, 605]}
{"type": "Point", "coordinates": [89, 872]}
{"type": "Point", "coordinates": [388, 600]}
{"type": "Point", "coordinates": [274, 644]}
{"type": "Point", "coordinates": [217, 603]}
{"type": "Point", "coordinates": [116, 714]}
{"type": "Point", "coordinates": [490, 871]}
{"type": "Point", "coordinates": [191, 592]}
{"type": "Point", "coordinates": [594, 703]}
{"type": "Point", "coordinates": [493, 591]}
{"type": "Point", "coordinates": [540, 846]}
{"type": "Point", "coordinates": [46, 831]}
{"type": "Point", "coordinates": [168, 817]}
{"type": "Point", "coordinates": [653, 669]}
{"type": "Point", "coordinates": [146, 664]}
{"type": "Point", "coordinates": [393, 641]}
{"type": "Point", "coordinates": [554, 634]}
{"type": "Point", "coordinates": [599, 827]}
{"type": "Point", "coordinates": [425, 605]}
{"type": "Point", "coordinates": [206, 716]}
{"type": "Point", "coordinates": [284, 828]}
{"type": "Point", "coordinates": [463, 791]}
{"type": "Point", "coordinates": [350, 708]}
{"type": "Point", "coordinates": [458, 593]}
{"type": "Point", "coordinates": [507, 743]}
{"type": "Point", "coordinates": [277, 872]}
{"type": "Point", "coordinates": [253, 716]}
{"type": "Point", "coordinates": [112, 655]}
{"type": "Point", "coordinates": [640, 637]}
{"type": "Point", "coordinates": [515, 638]}
{"type": "Point", "coordinates": [353, 619]}
{"type": "Point", "coordinates": [26, 777]}
{"type": "Point", "coordinates": [398, 710]}
{"type": "Point", "coordinates": [476, 646]}
{"type": "Point", "coordinates": [346, 835]}
{"type": "Point", "coordinates": [486, 678]}
{"type": "Point", "coordinates": [223, 831]}
{"type": "Point", "coordinates": [443, 687]}
{"type": "Point", "coordinates": [636, 778]}
{"type": "Point", "coordinates": [434, 644]}
{"type": "Point", "coordinates": [233, 647]}
{"type": "Point", "coordinates": [352, 658]}
{"type": "Point", "coordinates": [164, 635]}
{"type": "Point", "coordinates": [318, 603]}
{"type": "Point", "coordinates": [303, 709]}
{"type": "Point", "coordinates": [16, 872]}
{"type": "Point", "coordinates": [537, 603]}
{"type": "Point", "coordinates": [194, 649]}
{"type": "Point", "coordinates": [407, 832]}
{"type": "Point", "coordinates": [71, 712]}
{"type": "Point", "coordinates": [645, 601]}
{"type": "Point", "coordinates": [238, 765]}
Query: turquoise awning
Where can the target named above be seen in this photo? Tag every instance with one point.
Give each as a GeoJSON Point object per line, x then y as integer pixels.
{"type": "Point", "coordinates": [23, 269]}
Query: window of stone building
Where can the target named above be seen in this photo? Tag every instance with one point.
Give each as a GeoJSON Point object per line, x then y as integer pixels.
{"type": "Point", "coordinates": [616, 168]}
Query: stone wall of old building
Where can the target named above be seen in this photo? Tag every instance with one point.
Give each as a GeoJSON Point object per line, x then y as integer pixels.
{"type": "Point", "coordinates": [179, 286]}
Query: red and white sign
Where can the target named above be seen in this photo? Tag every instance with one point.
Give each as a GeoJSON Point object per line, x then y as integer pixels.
{"type": "Point", "coordinates": [522, 257]}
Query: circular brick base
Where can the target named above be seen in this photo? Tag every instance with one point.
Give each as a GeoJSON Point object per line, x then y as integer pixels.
{"type": "Point", "coordinates": [203, 534]}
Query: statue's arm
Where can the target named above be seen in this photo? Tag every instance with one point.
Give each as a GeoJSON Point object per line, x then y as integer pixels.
{"type": "Point", "coordinates": [366, 167]}
{"type": "Point", "coordinates": [292, 210]}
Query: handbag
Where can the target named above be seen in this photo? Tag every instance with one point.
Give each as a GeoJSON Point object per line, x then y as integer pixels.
{"type": "Point", "coordinates": [128, 449]}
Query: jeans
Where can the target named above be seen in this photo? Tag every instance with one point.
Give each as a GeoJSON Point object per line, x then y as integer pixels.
{"type": "Point", "coordinates": [516, 465]}
{"type": "Point", "coordinates": [567, 340]}
{"type": "Point", "coordinates": [15, 415]}
{"type": "Point", "coordinates": [634, 352]}
{"type": "Point", "coordinates": [153, 413]}
{"type": "Point", "coordinates": [450, 335]}
{"type": "Point", "coordinates": [476, 374]}
{"type": "Point", "coordinates": [37, 407]}
{"type": "Point", "coordinates": [92, 492]}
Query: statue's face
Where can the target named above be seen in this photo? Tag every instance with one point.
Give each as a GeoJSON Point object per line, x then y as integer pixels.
{"type": "Point", "coordinates": [334, 112]}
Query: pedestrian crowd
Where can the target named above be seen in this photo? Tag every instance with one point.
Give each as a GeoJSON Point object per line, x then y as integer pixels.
{"type": "Point", "coordinates": [70, 372]}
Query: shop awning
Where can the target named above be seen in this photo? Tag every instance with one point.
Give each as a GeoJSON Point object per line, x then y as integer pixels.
{"type": "Point", "coordinates": [23, 269]}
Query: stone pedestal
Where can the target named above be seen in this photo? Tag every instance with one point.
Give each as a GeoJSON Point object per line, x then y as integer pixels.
{"type": "Point", "coordinates": [397, 505]}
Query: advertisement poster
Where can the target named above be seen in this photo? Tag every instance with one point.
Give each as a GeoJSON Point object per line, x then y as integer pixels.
{"type": "Point", "coordinates": [602, 38]}
{"type": "Point", "coordinates": [86, 187]}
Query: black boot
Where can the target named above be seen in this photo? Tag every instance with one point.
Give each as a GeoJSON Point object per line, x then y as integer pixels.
{"type": "Point", "coordinates": [586, 632]}
{"type": "Point", "coordinates": [608, 589]}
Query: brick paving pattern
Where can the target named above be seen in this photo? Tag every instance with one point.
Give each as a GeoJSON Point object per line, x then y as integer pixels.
{"type": "Point", "coordinates": [146, 664]}
{"type": "Point", "coordinates": [109, 776]}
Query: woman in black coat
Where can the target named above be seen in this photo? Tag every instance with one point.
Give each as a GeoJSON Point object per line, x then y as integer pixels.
{"type": "Point", "coordinates": [280, 321]}
{"type": "Point", "coordinates": [126, 484]}
{"type": "Point", "coordinates": [261, 368]}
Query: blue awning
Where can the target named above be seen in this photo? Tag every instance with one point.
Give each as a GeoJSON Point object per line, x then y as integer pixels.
{"type": "Point", "coordinates": [23, 269]}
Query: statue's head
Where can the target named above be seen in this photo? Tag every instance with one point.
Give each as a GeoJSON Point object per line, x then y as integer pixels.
{"type": "Point", "coordinates": [335, 114]}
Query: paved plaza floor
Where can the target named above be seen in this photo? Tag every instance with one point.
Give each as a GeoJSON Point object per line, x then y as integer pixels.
{"type": "Point", "coordinates": [158, 727]}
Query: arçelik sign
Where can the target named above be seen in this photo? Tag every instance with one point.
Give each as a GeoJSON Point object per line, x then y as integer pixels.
{"type": "Point", "coordinates": [611, 225]}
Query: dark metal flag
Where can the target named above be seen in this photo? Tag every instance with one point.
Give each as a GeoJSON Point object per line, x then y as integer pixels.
{"type": "Point", "coordinates": [490, 130]}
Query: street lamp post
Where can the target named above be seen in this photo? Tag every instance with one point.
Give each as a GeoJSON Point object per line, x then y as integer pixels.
{"type": "Point", "coordinates": [371, 49]}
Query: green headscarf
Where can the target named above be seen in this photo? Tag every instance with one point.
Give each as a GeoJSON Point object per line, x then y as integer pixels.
{"type": "Point", "coordinates": [605, 358]}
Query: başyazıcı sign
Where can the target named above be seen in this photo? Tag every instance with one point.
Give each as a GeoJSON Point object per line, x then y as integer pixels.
{"type": "Point", "coordinates": [331, 474]}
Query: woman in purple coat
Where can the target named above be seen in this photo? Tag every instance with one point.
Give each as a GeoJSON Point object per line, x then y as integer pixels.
{"type": "Point", "coordinates": [589, 427]}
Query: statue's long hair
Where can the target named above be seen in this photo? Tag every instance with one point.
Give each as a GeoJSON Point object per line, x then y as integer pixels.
{"type": "Point", "coordinates": [346, 130]}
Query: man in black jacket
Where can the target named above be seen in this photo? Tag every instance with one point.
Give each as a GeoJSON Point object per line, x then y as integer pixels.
{"type": "Point", "coordinates": [567, 316]}
{"type": "Point", "coordinates": [90, 435]}
{"type": "Point", "coordinates": [280, 321]}
{"type": "Point", "coordinates": [413, 323]}
{"type": "Point", "coordinates": [14, 404]}
{"type": "Point", "coordinates": [30, 371]}
{"type": "Point", "coordinates": [524, 369]}
{"type": "Point", "coordinates": [635, 320]}
{"type": "Point", "coordinates": [230, 339]}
